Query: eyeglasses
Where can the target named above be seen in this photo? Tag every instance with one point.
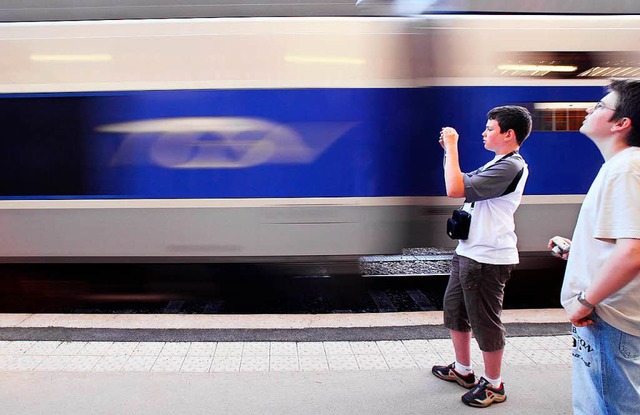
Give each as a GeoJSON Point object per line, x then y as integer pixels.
{"type": "Point", "coordinates": [601, 105]}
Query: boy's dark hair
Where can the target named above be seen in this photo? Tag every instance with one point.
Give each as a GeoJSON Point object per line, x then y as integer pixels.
{"type": "Point", "coordinates": [628, 91]}
{"type": "Point", "coordinates": [512, 117]}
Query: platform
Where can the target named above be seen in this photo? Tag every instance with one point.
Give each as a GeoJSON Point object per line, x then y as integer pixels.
{"type": "Point", "coordinates": [316, 376]}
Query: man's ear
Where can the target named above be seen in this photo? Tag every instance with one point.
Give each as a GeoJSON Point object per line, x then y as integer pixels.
{"type": "Point", "coordinates": [621, 125]}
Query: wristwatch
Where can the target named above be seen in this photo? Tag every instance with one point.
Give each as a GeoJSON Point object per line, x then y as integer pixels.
{"type": "Point", "coordinates": [583, 300]}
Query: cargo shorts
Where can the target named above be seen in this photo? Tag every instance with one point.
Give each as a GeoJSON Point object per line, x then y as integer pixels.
{"type": "Point", "coordinates": [473, 300]}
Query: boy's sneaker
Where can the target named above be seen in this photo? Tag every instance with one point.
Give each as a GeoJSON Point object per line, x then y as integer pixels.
{"type": "Point", "coordinates": [484, 395]}
{"type": "Point", "coordinates": [448, 373]}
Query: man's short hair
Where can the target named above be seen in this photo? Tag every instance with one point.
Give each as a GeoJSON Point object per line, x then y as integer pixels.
{"type": "Point", "coordinates": [628, 106]}
{"type": "Point", "coordinates": [512, 117]}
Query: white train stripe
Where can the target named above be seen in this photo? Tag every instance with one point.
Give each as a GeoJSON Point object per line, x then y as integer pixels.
{"type": "Point", "coordinates": [266, 202]}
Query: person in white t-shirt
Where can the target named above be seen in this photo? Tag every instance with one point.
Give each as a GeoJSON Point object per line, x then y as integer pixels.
{"type": "Point", "coordinates": [483, 262]}
{"type": "Point", "coordinates": [601, 288]}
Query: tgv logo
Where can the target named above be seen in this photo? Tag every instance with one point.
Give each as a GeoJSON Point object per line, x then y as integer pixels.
{"type": "Point", "coordinates": [221, 142]}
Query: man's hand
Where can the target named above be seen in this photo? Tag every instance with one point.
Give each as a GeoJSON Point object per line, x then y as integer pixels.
{"type": "Point", "coordinates": [579, 314]}
{"type": "Point", "coordinates": [559, 247]}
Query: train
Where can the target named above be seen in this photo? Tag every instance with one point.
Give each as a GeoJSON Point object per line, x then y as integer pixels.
{"type": "Point", "coordinates": [286, 139]}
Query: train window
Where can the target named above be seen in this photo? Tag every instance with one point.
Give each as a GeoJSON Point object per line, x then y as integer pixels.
{"type": "Point", "coordinates": [566, 65]}
{"type": "Point", "coordinates": [559, 116]}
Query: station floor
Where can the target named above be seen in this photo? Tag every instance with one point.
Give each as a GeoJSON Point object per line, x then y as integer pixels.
{"type": "Point", "coordinates": [316, 376]}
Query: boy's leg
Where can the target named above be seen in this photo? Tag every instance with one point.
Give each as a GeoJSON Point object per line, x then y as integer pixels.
{"type": "Point", "coordinates": [484, 294]}
{"type": "Point", "coordinates": [493, 364]}
{"type": "Point", "coordinates": [455, 312]}
{"type": "Point", "coordinates": [456, 320]}
{"type": "Point", "coordinates": [462, 346]}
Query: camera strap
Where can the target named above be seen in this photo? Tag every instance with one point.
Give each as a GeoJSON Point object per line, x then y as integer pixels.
{"type": "Point", "coordinates": [473, 204]}
{"type": "Point", "coordinates": [512, 185]}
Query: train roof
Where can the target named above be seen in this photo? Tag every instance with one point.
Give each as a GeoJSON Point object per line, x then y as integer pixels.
{"type": "Point", "coordinates": [73, 10]}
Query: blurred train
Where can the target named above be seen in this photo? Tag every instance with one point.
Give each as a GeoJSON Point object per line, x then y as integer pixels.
{"type": "Point", "coordinates": [288, 139]}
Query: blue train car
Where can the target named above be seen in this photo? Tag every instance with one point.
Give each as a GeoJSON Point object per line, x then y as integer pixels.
{"type": "Point", "coordinates": [282, 138]}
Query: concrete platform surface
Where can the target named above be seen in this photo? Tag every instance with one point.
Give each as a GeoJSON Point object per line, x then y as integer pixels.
{"type": "Point", "coordinates": [337, 364]}
{"type": "Point", "coordinates": [535, 390]}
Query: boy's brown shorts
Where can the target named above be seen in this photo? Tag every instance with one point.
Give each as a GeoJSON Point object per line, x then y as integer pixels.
{"type": "Point", "coordinates": [473, 300]}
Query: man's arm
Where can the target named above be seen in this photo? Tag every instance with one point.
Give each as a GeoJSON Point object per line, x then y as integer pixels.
{"type": "Point", "coordinates": [452, 173]}
{"type": "Point", "coordinates": [622, 267]}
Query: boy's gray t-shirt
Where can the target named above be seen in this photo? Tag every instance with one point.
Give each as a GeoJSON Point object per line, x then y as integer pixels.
{"type": "Point", "coordinates": [493, 181]}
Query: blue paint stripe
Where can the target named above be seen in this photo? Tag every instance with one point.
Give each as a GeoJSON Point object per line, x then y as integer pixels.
{"type": "Point", "coordinates": [54, 150]}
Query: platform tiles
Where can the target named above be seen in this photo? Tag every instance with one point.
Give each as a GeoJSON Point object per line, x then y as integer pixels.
{"type": "Point", "coordinates": [265, 356]}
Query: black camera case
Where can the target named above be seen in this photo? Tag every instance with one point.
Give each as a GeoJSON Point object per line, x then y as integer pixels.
{"type": "Point", "coordinates": [458, 224]}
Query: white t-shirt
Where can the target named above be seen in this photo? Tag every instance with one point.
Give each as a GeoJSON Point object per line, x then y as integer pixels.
{"type": "Point", "coordinates": [610, 211]}
{"type": "Point", "coordinates": [492, 238]}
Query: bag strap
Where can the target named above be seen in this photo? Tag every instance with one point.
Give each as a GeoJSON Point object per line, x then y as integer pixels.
{"type": "Point", "coordinates": [507, 155]}
{"type": "Point", "coordinates": [514, 183]}
{"type": "Point", "coordinates": [473, 204]}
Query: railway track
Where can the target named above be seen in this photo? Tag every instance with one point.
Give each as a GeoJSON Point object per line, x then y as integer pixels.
{"type": "Point", "coordinates": [412, 281]}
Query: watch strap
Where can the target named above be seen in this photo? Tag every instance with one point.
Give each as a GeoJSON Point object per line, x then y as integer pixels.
{"type": "Point", "coordinates": [582, 299]}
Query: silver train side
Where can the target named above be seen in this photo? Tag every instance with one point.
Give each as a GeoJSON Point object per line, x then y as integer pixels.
{"type": "Point", "coordinates": [33, 10]}
{"type": "Point", "coordinates": [292, 190]}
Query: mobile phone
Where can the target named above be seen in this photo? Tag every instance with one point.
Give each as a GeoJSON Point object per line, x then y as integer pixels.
{"type": "Point", "coordinates": [561, 246]}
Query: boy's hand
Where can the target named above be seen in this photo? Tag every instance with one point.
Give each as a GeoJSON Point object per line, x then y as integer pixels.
{"type": "Point", "coordinates": [448, 137]}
